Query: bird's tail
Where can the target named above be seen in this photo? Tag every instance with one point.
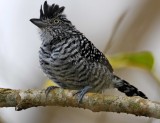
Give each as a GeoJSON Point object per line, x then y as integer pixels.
{"type": "Point", "coordinates": [126, 88]}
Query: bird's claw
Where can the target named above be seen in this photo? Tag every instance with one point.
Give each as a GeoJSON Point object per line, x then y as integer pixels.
{"type": "Point", "coordinates": [49, 89]}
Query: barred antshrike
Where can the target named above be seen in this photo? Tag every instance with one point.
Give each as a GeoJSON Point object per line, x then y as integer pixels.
{"type": "Point", "coordinates": [68, 58]}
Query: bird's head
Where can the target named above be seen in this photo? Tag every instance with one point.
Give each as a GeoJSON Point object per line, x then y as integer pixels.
{"type": "Point", "coordinates": [51, 17]}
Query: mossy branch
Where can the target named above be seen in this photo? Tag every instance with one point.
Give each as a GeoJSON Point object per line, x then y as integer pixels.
{"type": "Point", "coordinates": [23, 99]}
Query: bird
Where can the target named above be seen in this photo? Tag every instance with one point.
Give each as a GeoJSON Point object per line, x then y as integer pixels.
{"type": "Point", "coordinates": [68, 58]}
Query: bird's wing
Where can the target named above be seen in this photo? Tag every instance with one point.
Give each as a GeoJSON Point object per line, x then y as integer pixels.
{"type": "Point", "coordinates": [92, 54]}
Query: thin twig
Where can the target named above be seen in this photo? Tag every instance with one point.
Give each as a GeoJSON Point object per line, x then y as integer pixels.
{"type": "Point", "coordinates": [114, 32]}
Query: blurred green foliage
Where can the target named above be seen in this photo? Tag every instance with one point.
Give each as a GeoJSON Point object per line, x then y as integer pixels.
{"type": "Point", "coordinates": [143, 60]}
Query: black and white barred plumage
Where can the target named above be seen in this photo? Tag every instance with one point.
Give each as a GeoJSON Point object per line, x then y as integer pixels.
{"type": "Point", "coordinates": [68, 58]}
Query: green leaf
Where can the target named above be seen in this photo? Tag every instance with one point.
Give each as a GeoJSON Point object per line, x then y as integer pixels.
{"type": "Point", "coordinates": [143, 60]}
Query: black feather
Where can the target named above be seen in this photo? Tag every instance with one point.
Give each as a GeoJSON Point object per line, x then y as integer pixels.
{"type": "Point", "coordinates": [45, 8]}
{"type": "Point", "coordinates": [50, 11]}
{"type": "Point", "coordinates": [61, 9]}
{"type": "Point", "coordinates": [41, 12]}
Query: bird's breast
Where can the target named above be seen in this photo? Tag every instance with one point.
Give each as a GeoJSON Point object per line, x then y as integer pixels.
{"type": "Point", "coordinates": [56, 65]}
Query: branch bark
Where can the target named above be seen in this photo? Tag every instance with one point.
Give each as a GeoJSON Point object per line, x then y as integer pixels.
{"type": "Point", "coordinates": [23, 99]}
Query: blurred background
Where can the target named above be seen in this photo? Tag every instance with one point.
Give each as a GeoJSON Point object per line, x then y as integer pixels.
{"type": "Point", "coordinates": [128, 26]}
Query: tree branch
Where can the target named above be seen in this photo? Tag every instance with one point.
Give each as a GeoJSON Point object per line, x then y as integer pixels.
{"type": "Point", "coordinates": [23, 99]}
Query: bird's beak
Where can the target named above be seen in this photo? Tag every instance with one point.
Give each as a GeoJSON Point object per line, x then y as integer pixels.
{"type": "Point", "coordinates": [38, 22]}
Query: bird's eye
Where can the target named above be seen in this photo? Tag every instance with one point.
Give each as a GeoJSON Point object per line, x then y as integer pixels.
{"type": "Point", "coordinates": [56, 21]}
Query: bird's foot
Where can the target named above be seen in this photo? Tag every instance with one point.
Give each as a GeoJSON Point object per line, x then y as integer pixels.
{"type": "Point", "coordinates": [80, 93]}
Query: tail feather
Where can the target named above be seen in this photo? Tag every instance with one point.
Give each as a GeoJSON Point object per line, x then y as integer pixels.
{"type": "Point", "coordinates": [126, 88]}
